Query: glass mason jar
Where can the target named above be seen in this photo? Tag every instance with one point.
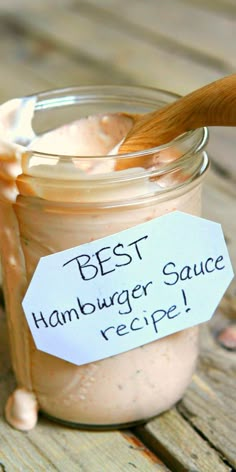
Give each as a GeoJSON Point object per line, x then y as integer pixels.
{"type": "Point", "coordinates": [46, 207]}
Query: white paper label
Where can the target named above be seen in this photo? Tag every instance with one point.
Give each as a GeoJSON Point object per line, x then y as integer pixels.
{"type": "Point", "coordinates": [125, 290]}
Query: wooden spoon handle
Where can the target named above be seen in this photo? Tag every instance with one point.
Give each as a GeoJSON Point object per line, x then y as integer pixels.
{"type": "Point", "coordinates": [211, 105]}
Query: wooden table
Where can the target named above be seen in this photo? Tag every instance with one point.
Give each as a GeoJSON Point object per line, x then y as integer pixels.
{"type": "Point", "coordinates": [173, 44]}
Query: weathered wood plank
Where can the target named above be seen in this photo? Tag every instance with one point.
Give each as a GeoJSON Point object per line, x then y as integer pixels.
{"type": "Point", "coordinates": [222, 145]}
{"type": "Point", "coordinates": [140, 60]}
{"type": "Point", "coordinates": [209, 406]}
{"type": "Point", "coordinates": [209, 403]}
{"type": "Point", "coordinates": [52, 447]}
{"type": "Point", "coordinates": [176, 25]}
{"type": "Point", "coordinates": [179, 445]}
{"type": "Point", "coordinates": [5, 5]}
{"type": "Point", "coordinates": [219, 198]}
{"type": "Point", "coordinates": [30, 64]}
{"type": "Point", "coordinates": [224, 7]}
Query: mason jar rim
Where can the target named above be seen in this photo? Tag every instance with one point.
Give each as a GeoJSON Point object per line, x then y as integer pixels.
{"type": "Point", "coordinates": [93, 91]}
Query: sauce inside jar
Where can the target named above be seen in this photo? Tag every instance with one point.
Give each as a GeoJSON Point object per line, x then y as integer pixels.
{"type": "Point", "coordinates": [68, 192]}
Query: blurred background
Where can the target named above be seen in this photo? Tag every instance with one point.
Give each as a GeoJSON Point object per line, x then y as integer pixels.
{"type": "Point", "coordinates": [173, 44]}
{"type": "Point", "coordinates": [177, 45]}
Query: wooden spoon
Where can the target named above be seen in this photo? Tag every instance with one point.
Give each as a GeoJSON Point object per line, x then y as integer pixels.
{"type": "Point", "coordinates": [211, 105]}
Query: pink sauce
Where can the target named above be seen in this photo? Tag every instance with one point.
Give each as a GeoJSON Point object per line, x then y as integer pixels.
{"type": "Point", "coordinates": [125, 388]}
